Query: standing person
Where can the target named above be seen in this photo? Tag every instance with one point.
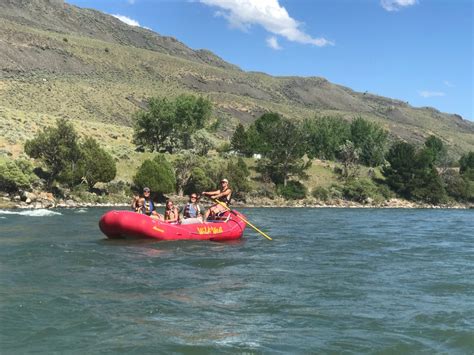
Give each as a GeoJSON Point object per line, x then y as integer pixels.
{"type": "Point", "coordinates": [192, 208]}
{"type": "Point", "coordinates": [171, 212]}
{"type": "Point", "coordinates": [223, 195]}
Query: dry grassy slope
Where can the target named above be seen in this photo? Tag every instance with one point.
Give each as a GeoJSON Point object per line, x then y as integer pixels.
{"type": "Point", "coordinates": [57, 60]}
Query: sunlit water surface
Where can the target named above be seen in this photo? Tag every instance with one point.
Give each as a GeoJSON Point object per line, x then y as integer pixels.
{"type": "Point", "coordinates": [331, 281]}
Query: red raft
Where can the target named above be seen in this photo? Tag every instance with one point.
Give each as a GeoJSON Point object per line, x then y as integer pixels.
{"type": "Point", "coordinates": [120, 224]}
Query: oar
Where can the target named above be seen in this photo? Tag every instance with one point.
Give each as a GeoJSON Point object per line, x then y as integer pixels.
{"type": "Point", "coordinates": [242, 218]}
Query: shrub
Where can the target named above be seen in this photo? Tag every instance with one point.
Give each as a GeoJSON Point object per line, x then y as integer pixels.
{"type": "Point", "coordinates": [321, 193]}
{"type": "Point", "coordinates": [359, 190]}
{"type": "Point", "coordinates": [294, 190]}
{"type": "Point", "coordinates": [58, 148]}
{"type": "Point", "coordinates": [12, 177]}
{"type": "Point", "coordinates": [238, 175]}
{"type": "Point", "coordinates": [198, 182]}
{"type": "Point", "coordinates": [96, 164]}
{"type": "Point", "coordinates": [157, 174]}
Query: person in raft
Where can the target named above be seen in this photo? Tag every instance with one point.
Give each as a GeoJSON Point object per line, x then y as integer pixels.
{"type": "Point", "coordinates": [145, 204]}
{"type": "Point", "coordinates": [222, 195]}
{"type": "Point", "coordinates": [171, 212]}
{"type": "Point", "coordinates": [192, 208]}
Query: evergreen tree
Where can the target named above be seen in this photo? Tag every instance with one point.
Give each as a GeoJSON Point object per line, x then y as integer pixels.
{"type": "Point", "coordinates": [436, 148]}
{"type": "Point", "coordinates": [238, 175]}
{"type": "Point", "coordinates": [466, 166]}
{"type": "Point", "coordinates": [96, 164]}
{"type": "Point", "coordinates": [413, 175]}
{"type": "Point", "coordinates": [157, 174]}
{"type": "Point", "coordinates": [199, 181]}
{"type": "Point", "coordinates": [58, 148]}
{"type": "Point", "coordinates": [238, 141]}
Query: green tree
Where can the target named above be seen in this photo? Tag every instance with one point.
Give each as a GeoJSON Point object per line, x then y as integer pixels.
{"type": "Point", "coordinates": [238, 174]}
{"type": "Point", "coordinates": [169, 125]}
{"type": "Point", "coordinates": [371, 139]}
{"type": "Point", "coordinates": [436, 148]}
{"type": "Point", "coordinates": [412, 174]}
{"type": "Point", "coordinates": [324, 135]}
{"type": "Point", "coordinates": [262, 130]}
{"type": "Point", "coordinates": [349, 157]}
{"type": "Point", "coordinates": [96, 164]}
{"type": "Point", "coordinates": [192, 113]}
{"type": "Point", "coordinates": [199, 181]}
{"type": "Point", "coordinates": [157, 174]}
{"type": "Point", "coordinates": [239, 141]}
{"type": "Point", "coordinates": [15, 175]}
{"type": "Point", "coordinates": [183, 167]}
{"type": "Point", "coordinates": [154, 129]}
{"type": "Point", "coordinates": [294, 190]}
{"type": "Point", "coordinates": [284, 151]}
{"type": "Point", "coordinates": [466, 166]}
{"type": "Point", "coordinates": [58, 148]}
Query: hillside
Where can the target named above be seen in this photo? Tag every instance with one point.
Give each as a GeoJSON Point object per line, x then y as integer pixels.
{"type": "Point", "coordinates": [58, 60]}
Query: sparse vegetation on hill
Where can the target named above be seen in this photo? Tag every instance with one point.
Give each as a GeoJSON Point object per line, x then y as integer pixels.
{"type": "Point", "coordinates": [57, 63]}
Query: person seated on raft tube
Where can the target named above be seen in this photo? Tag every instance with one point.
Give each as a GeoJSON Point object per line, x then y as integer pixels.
{"type": "Point", "coordinates": [222, 195]}
{"type": "Point", "coordinates": [171, 212]}
{"type": "Point", "coordinates": [146, 205]}
{"type": "Point", "coordinates": [192, 208]}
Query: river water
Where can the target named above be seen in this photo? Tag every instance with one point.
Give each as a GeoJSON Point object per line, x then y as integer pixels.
{"type": "Point", "coordinates": [332, 281]}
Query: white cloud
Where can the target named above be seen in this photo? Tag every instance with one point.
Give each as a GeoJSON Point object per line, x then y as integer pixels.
{"type": "Point", "coordinates": [128, 20]}
{"type": "Point", "coordinates": [428, 94]}
{"type": "Point", "coordinates": [272, 42]}
{"type": "Point", "coordinates": [395, 5]}
{"type": "Point", "coordinates": [448, 84]}
{"type": "Point", "coordinates": [269, 14]}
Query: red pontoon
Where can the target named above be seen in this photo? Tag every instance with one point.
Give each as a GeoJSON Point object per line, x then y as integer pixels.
{"type": "Point", "coordinates": [119, 224]}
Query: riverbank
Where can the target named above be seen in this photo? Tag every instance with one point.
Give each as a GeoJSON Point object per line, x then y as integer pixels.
{"type": "Point", "coordinates": [43, 200]}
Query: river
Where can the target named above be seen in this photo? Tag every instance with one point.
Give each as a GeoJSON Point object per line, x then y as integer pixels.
{"type": "Point", "coordinates": [332, 281]}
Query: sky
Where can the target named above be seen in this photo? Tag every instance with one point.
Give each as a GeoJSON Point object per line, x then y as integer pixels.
{"type": "Point", "coordinates": [418, 51]}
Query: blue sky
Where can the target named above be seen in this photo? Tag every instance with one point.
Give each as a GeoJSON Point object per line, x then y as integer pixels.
{"type": "Point", "coordinates": [420, 51]}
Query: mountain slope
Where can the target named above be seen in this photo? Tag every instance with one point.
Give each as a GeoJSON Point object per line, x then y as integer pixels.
{"type": "Point", "coordinates": [58, 60]}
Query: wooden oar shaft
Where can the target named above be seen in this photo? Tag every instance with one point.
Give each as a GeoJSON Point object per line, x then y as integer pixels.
{"type": "Point", "coordinates": [243, 219]}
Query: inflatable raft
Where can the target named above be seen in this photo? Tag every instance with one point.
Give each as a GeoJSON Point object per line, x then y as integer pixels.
{"type": "Point", "coordinates": [127, 224]}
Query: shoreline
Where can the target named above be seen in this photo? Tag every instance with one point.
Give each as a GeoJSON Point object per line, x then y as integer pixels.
{"type": "Point", "coordinates": [390, 204]}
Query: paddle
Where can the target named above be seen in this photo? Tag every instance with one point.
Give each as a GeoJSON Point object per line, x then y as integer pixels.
{"type": "Point", "coordinates": [242, 218]}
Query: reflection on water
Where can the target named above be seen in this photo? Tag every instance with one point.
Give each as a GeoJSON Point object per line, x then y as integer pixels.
{"type": "Point", "coordinates": [333, 280]}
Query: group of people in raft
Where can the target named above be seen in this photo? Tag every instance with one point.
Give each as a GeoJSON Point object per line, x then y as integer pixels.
{"type": "Point", "coordinates": [191, 212]}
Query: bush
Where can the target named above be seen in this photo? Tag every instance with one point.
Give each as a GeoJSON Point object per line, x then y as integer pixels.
{"type": "Point", "coordinates": [294, 190]}
{"type": "Point", "coordinates": [198, 182]}
{"type": "Point", "coordinates": [321, 193]}
{"type": "Point", "coordinates": [456, 187]}
{"type": "Point", "coordinates": [361, 190]}
{"type": "Point", "coordinates": [15, 175]}
{"type": "Point", "coordinates": [96, 164]}
{"type": "Point", "coordinates": [157, 174]}
{"type": "Point", "coordinates": [238, 175]}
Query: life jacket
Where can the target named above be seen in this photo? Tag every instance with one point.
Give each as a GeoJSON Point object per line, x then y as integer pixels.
{"type": "Point", "coordinates": [226, 199]}
{"type": "Point", "coordinates": [148, 207]}
{"type": "Point", "coordinates": [173, 212]}
{"type": "Point", "coordinates": [190, 211]}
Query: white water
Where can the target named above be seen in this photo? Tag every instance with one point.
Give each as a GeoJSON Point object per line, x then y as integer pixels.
{"type": "Point", "coordinates": [31, 213]}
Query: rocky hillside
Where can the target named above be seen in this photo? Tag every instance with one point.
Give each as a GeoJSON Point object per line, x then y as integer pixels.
{"type": "Point", "coordinates": [58, 60]}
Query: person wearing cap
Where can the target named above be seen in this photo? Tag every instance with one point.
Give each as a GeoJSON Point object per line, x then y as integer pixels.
{"type": "Point", "coordinates": [223, 195]}
{"type": "Point", "coordinates": [145, 204]}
